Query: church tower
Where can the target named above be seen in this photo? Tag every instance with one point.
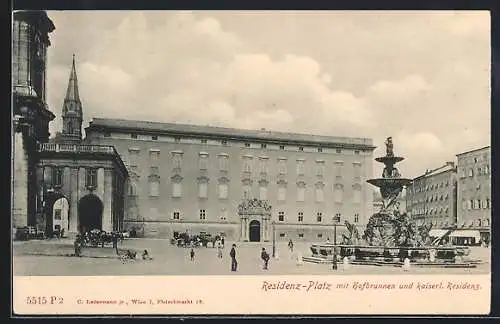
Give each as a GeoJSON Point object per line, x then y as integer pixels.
{"type": "Point", "coordinates": [72, 114]}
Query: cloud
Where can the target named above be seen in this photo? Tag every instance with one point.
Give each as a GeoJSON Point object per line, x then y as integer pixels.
{"type": "Point", "coordinates": [358, 76]}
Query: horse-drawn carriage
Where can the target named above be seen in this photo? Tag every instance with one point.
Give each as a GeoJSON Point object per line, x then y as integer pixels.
{"type": "Point", "coordinates": [203, 239]}
{"type": "Point", "coordinates": [98, 237]}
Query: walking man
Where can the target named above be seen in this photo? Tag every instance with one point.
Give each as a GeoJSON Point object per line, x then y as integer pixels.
{"type": "Point", "coordinates": [290, 245]}
{"type": "Point", "coordinates": [234, 263]}
{"type": "Point", "coordinates": [265, 257]}
{"type": "Point", "coordinates": [192, 254]}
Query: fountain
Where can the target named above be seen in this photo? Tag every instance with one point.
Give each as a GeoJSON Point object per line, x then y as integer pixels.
{"type": "Point", "coordinates": [391, 236]}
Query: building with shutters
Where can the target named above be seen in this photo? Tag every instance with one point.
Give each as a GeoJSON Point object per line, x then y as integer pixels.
{"type": "Point", "coordinates": [474, 194]}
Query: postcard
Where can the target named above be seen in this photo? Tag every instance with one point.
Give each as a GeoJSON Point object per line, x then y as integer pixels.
{"type": "Point", "coordinates": [251, 162]}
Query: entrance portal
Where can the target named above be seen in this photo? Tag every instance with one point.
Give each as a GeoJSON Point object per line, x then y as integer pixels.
{"type": "Point", "coordinates": [254, 231]}
{"type": "Point", "coordinates": [90, 213]}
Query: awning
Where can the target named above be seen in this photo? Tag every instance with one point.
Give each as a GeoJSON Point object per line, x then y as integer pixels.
{"type": "Point", "coordinates": [466, 233]}
{"type": "Point", "coordinates": [437, 232]}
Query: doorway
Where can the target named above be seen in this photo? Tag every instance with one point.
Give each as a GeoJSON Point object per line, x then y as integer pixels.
{"type": "Point", "coordinates": [60, 213]}
{"type": "Point", "coordinates": [254, 231]}
{"type": "Point", "coordinates": [90, 210]}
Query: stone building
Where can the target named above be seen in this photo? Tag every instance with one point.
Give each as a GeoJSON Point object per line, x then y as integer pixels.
{"type": "Point", "coordinates": [474, 194]}
{"type": "Point", "coordinates": [80, 186]}
{"type": "Point", "coordinates": [431, 197]}
{"type": "Point", "coordinates": [200, 178]}
{"type": "Point", "coordinates": [31, 116]}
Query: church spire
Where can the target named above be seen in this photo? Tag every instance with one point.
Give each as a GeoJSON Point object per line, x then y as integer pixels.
{"type": "Point", "coordinates": [72, 113]}
{"type": "Point", "coordinates": [72, 91]}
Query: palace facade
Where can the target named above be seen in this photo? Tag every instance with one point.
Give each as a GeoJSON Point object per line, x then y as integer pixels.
{"type": "Point", "coordinates": [197, 178]}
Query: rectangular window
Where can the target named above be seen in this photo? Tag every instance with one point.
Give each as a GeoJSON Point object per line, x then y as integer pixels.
{"type": "Point", "coordinates": [57, 214]}
{"type": "Point", "coordinates": [177, 160]}
{"type": "Point", "coordinates": [177, 189]}
{"type": "Point", "coordinates": [301, 148]}
{"type": "Point", "coordinates": [203, 163]}
{"type": "Point", "coordinates": [107, 134]}
{"type": "Point", "coordinates": [281, 216]}
{"type": "Point", "coordinates": [57, 176]}
{"type": "Point", "coordinates": [154, 170]}
{"type": "Point", "coordinates": [202, 214]}
{"type": "Point", "coordinates": [247, 165]}
{"type": "Point", "coordinates": [223, 142]}
{"type": "Point", "coordinates": [301, 193]}
{"type": "Point", "coordinates": [203, 190]}
{"type": "Point", "coordinates": [223, 190]}
{"type": "Point", "coordinates": [282, 234]}
{"type": "Point", "coordinates": [154, 188]}
{"type": "Point", "coordinates": [203, 141]}
{"type": "Point", "coordinates": [356, 152]}
{"type": "Point", "coordinates": [263, 145]}
{"type": "Point", "coordinates": [263, 193]}
{"type": "Point", "coordinates": [91, 179]}
{"type": "Point", "coordinates": [336, 218]}
{"type": "Point", "coordinates": [154, 157]}
{"type": "Point", "coordinates": [356, 218]}
{"type": "Point", "coordinates": [301, 235]}
{"type": "Point", "coordinates": [282, 147]}
{"type": "Point", "coordinates": [176, 215]}
{"type": "Point", "coordinates": [281, 194]}
{"type": "Point", "coordinates": [300, 218]}
{"type": "Point", "coordinates": [357, 196]}
{"type": "Point", "coordinates": [247, 144]}
{"type": "Point", "coordinates": [320, 235]}
{"type": "Point", "coordinates": [133, 135]}
{"type": "Point", "coordinates": [320, 169]}
{"type": "Point", "coordinates": [319, 195]}
{"type": "Point", "coordinates": [320, 149]}
{"type": "Point", "coordinates": [223, 163]}
{"type": "Point", "coordinates": [154, 137]}
{"type": "Point", "coordinates": [282, 166]}
{"type": "Point", "coordinates": [263, 165]}
{"type": "Point", "coordinates": [300, 167]}
{"type": "Point", "coordinates": [338, 195]}
{"type": "Point", "coordinates": [319, 217]}
{"type": "Point", "coordinates": [177, 139]}
{"type": "Point", "coordinates": [338, 151]}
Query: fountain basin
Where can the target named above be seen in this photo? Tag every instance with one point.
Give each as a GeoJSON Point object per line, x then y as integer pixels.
{"type": "Point", "coordinates": [380, 255]}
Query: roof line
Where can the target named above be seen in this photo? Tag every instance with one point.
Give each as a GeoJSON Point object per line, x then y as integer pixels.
{"type": "Point", "coordinates": [470, 151]}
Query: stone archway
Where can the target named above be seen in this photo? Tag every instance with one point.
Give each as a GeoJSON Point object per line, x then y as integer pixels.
{"type": "Point", "coordinates": [60, 215]}
{"type": "Point", "coordinates": [90, 209]}
{"type": "Point", "coordinates": [255, 216]}
{"type": "Point", "coordinates": [53, 200]}
{"type": "Point", "coordinates": [254, 231]}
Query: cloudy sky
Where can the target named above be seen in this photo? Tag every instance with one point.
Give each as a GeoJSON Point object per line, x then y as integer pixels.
{"type": "Point", "coordinates": [422, 78]}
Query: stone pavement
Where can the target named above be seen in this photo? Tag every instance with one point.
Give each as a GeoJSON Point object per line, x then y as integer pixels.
{"type": "Point", "coordinates": [53, 257]}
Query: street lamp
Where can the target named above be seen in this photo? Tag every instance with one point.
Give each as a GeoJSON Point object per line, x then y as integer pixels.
{"type": "Point", "coordinates": [274, 239]}
{"type": "Point", "coordinates": [334, 252]}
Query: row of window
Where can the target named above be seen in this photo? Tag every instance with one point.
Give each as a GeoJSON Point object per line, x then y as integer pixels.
{"type": "Point", "coordinates": [430, 187]}
{"type": "Point", "coordinates": [223, 191]}
{"type": "Point", "coordinates": [441, 211]}
{"type": "Point", "coordinates": [245, 144]}
{"type": "Point", "coordinates": [90, 177]}
{"type": "Point", "coordinates": [281, 216]}
{"type": "Point", "coordinates": [432, 198]}
{"type": "Point", "coordinates": [247, 165]}
{"type": "Point", "coordinates": [464, 173]}
{"type": "Point", "coordinates": [474, 204]}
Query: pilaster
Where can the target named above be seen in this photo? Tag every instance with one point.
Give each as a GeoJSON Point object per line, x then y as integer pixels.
{"type": "Point", "coordinates": [20, 182]}
{"type": "Point", "coordinates": [107, 217]}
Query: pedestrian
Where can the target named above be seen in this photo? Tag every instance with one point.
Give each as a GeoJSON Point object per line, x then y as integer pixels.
{"type": "Point", "coordinates": [115, 242]}
{"type": "Point", "coordinates": [232, 254]}
{"type": "Point", "coordinates": [219, 249]}
{"type": "Point", "coordinates": [290, 246]}
{"type": "Point", "coordinates": [78, 245]}
{"type": "Point", "coordinates": [192, 254]}
{"type": "Point", "coordinates": [265, 257]}
{"type": "Point", "coordinates": [222, 241]}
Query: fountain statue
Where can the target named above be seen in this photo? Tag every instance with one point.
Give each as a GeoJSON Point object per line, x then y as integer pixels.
{"type": "Point", "coordinates": [390, 226]}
